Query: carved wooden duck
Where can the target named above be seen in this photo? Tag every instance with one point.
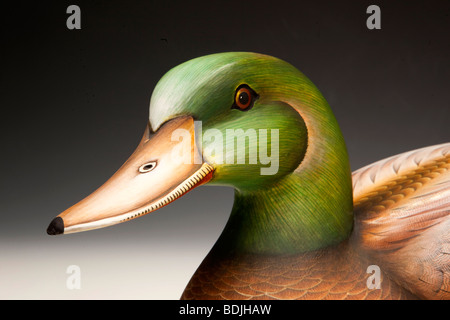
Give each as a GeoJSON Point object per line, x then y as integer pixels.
{"type": "Point", "coordinates": [302, 226]}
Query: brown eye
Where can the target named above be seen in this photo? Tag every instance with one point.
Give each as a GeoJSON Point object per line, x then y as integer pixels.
{"type": "Point", "coordinates": [244, 98]}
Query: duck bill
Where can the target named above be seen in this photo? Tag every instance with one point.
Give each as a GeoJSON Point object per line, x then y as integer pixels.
{"type": "Point", "coordinates": [166, 165]}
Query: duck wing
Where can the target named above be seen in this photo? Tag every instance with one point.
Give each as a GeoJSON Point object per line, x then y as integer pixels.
{"type": "Point", "coordinates": [402, 218]}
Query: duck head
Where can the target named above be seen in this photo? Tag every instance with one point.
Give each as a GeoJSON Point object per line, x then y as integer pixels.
{"type": "Point", "coordinates": [245, 120]}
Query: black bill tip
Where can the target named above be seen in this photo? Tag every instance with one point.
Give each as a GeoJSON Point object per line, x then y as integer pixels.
{"type": "Point", "coordinates": [56, 226]}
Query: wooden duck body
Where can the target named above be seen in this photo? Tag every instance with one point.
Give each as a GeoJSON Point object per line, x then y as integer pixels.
{"type": "Point", "coordinates": [336, 273]}
{"type": "Point", "coordinates": [401, 227]}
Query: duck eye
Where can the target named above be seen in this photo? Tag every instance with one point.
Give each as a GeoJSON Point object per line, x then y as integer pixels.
{"type": "Point", "coordinates": [244, 98]}
{"type": "Point", "coordinates": [149, 166]}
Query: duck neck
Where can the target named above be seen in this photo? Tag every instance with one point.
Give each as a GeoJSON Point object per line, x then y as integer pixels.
{"type": "Point", "coordinates": [308, 209]}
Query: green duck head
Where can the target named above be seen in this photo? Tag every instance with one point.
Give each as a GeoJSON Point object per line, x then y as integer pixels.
{"type": "Point", "coordinates": [245, 120]}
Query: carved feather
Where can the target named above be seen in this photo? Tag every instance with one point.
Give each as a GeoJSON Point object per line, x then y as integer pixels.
{"type": "Point", "coordinates": [402, 218]}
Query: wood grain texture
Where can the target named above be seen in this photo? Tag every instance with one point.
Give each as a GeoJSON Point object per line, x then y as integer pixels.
{"type": "Point", "coordinates": [402, 225]}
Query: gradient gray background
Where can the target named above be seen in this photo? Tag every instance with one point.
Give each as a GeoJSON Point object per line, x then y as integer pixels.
{"type": "Point", "coordinates": [75, 103]}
